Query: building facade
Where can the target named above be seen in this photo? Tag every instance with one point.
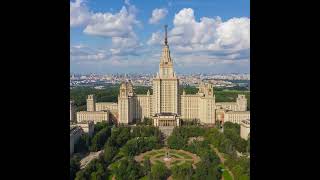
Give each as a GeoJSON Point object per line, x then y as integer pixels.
{"type": "Point", "coordinates": [87, 127]}
{"type": "Point", "coordinates": [95, 116]}
{"type": "Point", "coordinates": [245, 129]}
{"type": "Point", "coordinates": [75, 133]}
{"type": "Point", "coordinates": [165, 105]}
{"type": "Point", "coordinates": [72, 112]}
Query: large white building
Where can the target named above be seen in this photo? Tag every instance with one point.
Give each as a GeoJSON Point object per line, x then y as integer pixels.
{"type": "Point", "coordinates": [165, 105]}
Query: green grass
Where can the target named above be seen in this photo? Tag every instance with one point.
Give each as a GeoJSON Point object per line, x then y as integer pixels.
{"type": "Point", "coordinates": [226, 175]}
{"type": "Point", "coordinates": [114, 165]}
{"type": "Point", "coordinates": [144, 178]}
{"type": "Point", "coordinates": [174, 156]}
{"type": "Point", "coordinates": [159, 156]}
{"type": "Point", "coordinates": [146, 157]}
{"type": "Point", "coordinates": [186, 156]}
{"type": "Point", "coordinates": [175, 162]}
{"type": "Point", "coordinates": [158, 161]}
{"type": "Point", "coordinates": [110, 176]}
{"type": "Point", "coordinates": [152, 153]}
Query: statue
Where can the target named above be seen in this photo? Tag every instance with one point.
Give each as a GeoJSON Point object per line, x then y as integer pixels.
{"type": "Point", "coordinates": [167, 156]}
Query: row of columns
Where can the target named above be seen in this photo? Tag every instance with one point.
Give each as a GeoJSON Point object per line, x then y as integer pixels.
{"type": "Point", "coordinates": [167, 122]}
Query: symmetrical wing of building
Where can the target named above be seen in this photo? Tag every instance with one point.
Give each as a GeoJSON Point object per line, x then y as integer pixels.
{"type": "Point", "coordinates": [165, 105]}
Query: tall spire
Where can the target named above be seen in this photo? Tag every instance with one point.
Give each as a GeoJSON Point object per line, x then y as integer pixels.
{"type": "Point", "coordinates": [165, 38]}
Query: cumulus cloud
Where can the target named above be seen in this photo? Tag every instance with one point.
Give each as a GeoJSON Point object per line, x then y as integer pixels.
{"type": "Point", "coordinates": [208, 41]}
{"type": "Point", "coordinates": [209, 34]}
{"type": "Point", "coordinates": [84, 53]}
{"type": "Point", "coordinates": [156, 38]}
{"type": "Point", "coordinates": [120, 24]}
{"type": "Point", "coordinates": [79, 13]}
{"type": "Point", "coordinates": [157, 15]}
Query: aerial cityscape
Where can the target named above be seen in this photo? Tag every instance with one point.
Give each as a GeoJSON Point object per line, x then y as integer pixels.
{"type": "Point", "coordinates": [162, 124]}
{"type": "Point", "coordinates": [143, 79]}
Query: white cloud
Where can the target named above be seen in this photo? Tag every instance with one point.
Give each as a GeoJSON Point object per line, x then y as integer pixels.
{"type": "Point", "coordinates": [207, 41]}
{"type": "Point", "coordinates": [85, 54]}
{"type": "Point", "coordinates": [120, 24]}
{"type": "Point", "coordinates": [117, 26]}
{"type": "Point", "coordinates": [209, 34]}
{"type": "Point", "coordinates": [79, 13]}
{"type": "Point", "coordinates": [125, 46]}
{"type": "Point", "coordinates": [156, 38]}
{"type": "Point", "coordinates": [157, 15]}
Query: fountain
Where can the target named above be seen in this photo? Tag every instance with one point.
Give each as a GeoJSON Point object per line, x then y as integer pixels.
{"type": "Point", "coordinates": [167, 157]}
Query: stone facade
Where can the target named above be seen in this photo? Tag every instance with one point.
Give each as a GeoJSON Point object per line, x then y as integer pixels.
{"type": "Point", "coordinates": [236, 116]}
{"type": "Point", "coordinates": [245, 129]}
{"type": "Point", "coordinates": [95, 116]}
{"type": "Point", "coordinates": [87, 127]}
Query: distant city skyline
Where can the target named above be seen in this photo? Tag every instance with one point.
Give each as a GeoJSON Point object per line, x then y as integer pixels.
{"type": "Point", "coordinates": [126, 36]}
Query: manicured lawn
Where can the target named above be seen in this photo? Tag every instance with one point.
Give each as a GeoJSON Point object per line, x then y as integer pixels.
{"type": "Point", "coordinates": [175, 162]}
{"type": "Point", "coordinates": [159, 156]}
{"type": "Point", "coordinates": [186, 156]}
{"type": "Point", "coordinates": [226, 175]}
{"type": "Point", "coordinates": [144, 178]}
{"type": "Point", "coordinates": [158, 161]}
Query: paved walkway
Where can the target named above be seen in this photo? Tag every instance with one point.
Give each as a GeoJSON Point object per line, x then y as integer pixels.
{"type": "Point", "coordinates": [222, 161]}
{"type": "Point", "coordinates": [86, 160]}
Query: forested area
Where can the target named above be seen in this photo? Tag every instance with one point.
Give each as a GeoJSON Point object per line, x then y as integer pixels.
{"type": "Point", "coordinates": [120, 144]}
{"type": "Point", "coordinates": [227, 142]}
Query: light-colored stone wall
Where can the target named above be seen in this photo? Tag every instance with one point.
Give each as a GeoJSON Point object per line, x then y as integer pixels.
{"type": "Point", "coordinates": [245, 129]}
{"type": "Point", "coordinates": [142, 106]}
{"type": "Point", "coordinates": [190, 106]}
{"type": "Point", "coordinates": [239, 105]}
{"type": "Point", "coordinates": [242, 104]}
{"type": "Point", "coordinates": [87, 127]}
{"type": "Point", "coordinates": [236, 116]}
{"type": "Point", "coordinates": [91, 103]}
{"type": "Point", "coordinates": [97, 116]}
{"type": "Point", "coordinates": [232, 106]}
{"type": "Point", "coordinates": [100, 106]}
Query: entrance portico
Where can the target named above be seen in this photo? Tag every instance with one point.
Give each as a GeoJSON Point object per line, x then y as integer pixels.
{"type": "Point", "coordinates": [166, 119]}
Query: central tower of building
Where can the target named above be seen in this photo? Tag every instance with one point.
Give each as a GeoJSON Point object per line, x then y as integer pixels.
{"type": "Point", "coordinates": [165, 84]}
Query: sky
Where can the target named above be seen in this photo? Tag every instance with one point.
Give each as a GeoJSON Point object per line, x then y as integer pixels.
{"type": "Point", "coordinates": [126, 36]}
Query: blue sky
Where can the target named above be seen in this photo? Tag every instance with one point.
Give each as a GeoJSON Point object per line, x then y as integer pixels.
{"type": "Point", "coordinates": [126, 36]}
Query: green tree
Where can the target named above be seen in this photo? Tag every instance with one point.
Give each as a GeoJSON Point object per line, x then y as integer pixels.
{"type": "Point", "coordinates": [74, 167]}
{"type": "Point", "coordinates": [182, 172]}
{"type": "Point", "coordinates": [100, 139]}
{"type": "Point", "coordinates": [82, 144]}
{"type": "Point", "coordinates": [109, 153]}
{"type": "Point", "coordinates": [128, 169]}
{"type": "Point", "coordinates": [147, 166]}
{"type": "Point", "coordinates": [159, 172]}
